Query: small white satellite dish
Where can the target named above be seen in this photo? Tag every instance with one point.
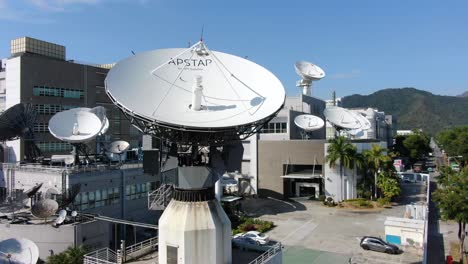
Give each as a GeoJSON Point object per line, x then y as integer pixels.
{"type": "Point", "coordinates": [63, 213]}
{"type": "Point", "coordinates": [309, 122]}
{"type": "Point", "coordinates": [74, 213]}
{"type": "Point", "coordinates": [309, 72]}
{"type": "Point", "coordinates": [60, 219]}
{"type": "Point", "coordinates": [75, 126]}
{"type": "Point", "coordinates": [341, 118]}
{"type": "Point", "coordinates": [44, 208]}
{"type": "Point", "coordinates": [18, 251]}
{"type": "Point", "coordinates": [118, 147]}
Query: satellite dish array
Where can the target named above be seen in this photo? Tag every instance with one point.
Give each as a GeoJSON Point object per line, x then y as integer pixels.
{"type": "Point", "coordinates": [78, 126]}
{"type": "Point", "coordinates": [195, 95]}
{"type": "Point", "coordinates": [345, 120]}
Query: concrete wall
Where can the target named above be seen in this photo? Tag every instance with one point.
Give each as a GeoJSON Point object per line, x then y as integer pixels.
{"type": "Point", "coordinates": [410, 231]}
{"type": "Point", "coordinates": [272, 155]}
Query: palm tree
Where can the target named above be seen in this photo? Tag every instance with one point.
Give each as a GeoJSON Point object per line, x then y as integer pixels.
{"type": "Point", "coordinates": [340, 151]}
{"type": "Point", "coordinates": [376, 159]}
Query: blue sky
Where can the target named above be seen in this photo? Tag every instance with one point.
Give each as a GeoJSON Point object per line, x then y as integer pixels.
{"type": "Point", "coordinates": [363, 46]}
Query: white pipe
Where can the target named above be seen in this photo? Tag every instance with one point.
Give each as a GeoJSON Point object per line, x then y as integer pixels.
{"type": "Point", "coordinates": [197, 90]}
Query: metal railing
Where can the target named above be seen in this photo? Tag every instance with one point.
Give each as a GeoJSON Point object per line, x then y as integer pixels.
{"type": "Point", "coordinates": [139, 249]}
{"type": "Point", "coordinates": [160, 197]}
{"type": "Point", "coordinates": [269, 254]}
{"type": "Point", "coordinates": [101, 256]}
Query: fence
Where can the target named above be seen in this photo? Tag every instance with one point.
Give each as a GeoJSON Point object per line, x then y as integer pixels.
{"type": "Point", "coordinates": [101, 256]}
{"type": "Point", "coordinates": [268, 255]}
{"type": "Point", "coordinates": [140, 249]}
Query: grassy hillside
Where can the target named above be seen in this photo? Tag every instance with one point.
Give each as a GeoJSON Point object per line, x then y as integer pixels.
{"type": "Point", "coordinates": [415, 108]}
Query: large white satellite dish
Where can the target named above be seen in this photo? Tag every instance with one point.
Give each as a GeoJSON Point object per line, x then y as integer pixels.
{"type": "Point", "coordinates": [186, 89]}
{"type": "Point", "coordinates": [119, 147]}
{"type": "Point", "coordinates": [18, 251]}
{"type": "Point", "coordinates": [309, 122]}
{"type": "Point", "coordinates": [341, 118]}
{"type": "Point", "coordinates": [309, 72]}
{"type": "Point", "coordinates": [75, 126]}
{"type": "Point", "coordinates": [365, 124]}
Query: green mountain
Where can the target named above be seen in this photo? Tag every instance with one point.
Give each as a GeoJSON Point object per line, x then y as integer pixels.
{"type": "Point", "coordinates": [415, 109]}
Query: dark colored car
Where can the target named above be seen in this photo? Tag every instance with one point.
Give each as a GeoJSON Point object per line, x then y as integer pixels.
{"type": "Point", "coordinates": [378, 244]}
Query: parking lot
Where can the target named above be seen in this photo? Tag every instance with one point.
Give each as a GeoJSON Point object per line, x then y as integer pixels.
{"type": "Point", "coordinates": [313, 233]}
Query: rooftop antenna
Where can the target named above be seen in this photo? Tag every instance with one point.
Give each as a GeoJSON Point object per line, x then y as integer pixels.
{"type": "Point", "coordinates": [309, 72]}
{"type": "Point", "coordinates": [201, 36]}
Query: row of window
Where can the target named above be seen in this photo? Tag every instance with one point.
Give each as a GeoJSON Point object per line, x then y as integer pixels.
{"type": "Point", "coordinates": [58, 92]}
{"type": "Point", "coordinates": [54, 146]}
{"type": "Point", "coordinates": [275, 128]}
{"type": "Point", "coordinates": [98, 198]}
{"type": "Point", "coordinates": [51, 109]}
{"type": "Point", "coordinates": [109, 196]}
{"type": "Point", "coordinates": [41, 127]}
{"type": "Point", "coordinates": [137, 191]}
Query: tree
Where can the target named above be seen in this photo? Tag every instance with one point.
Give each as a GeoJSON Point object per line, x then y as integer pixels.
{"type": "Point", "coordinates": [417, 145]}
{"type": "Point", "coordinates": [340, 151]}
{"type": "Point", "coordinates": [455, 142]}
{"type": "Point", "coordinates": [452, 200]}
{"type": "Point", "coordinates": [389, 184]}
{"type": "Point", "coordinates": [376, 160]}
{"type": "Point", "coordinates": [73, 255]}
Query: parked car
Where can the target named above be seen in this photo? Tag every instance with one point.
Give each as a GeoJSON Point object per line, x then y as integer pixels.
{"type": "Point", "coordinates": [378, 244]}
{"type": "Point", "coordinates": [256, 236]}
{"type": "Point", "coordinates": [409, 177]}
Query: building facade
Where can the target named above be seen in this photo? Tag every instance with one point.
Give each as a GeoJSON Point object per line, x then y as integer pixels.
{"type": "Point", "coordinates": [38, 73]}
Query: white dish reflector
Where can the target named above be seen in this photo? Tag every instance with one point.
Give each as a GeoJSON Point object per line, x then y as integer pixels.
{"type": "Point", "coordinates": [309, 122]}
{"type": "Point", "coordinates": [119, 147]}
{"type": "Point", "coordinates": [365, 124]}
{"type": "Point", "coordinates": [18, 251]}
{"type": "Point", "coordinates": [309, 71]}
{"type": "Point", "coordinates": [341, 117]}
{"type": "Point", "coordinates": [75, 126]}
{"type": "Point", "coordinates": [159, 85]}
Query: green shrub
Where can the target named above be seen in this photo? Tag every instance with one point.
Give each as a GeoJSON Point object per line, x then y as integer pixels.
{"type": "Point", "coordinates": [383, 201]}
{"type": "Point", "coordinates": [247, 224]}
{"type": "Point", "coordinates": [364, 203]}
{"type": "Point", "coordinates": [322, 198]}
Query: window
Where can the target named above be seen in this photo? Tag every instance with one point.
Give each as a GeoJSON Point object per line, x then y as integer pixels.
{"type": "Point", "coordinates": [137, 191]}
{"type": "Point", "coordinates": [58, 92]}
{"type": "Point", "coordinates": [54, 146]}
{"type": "Point", "coordinates": [50, 109]}
{"type": "Point", "coordinates": [274, 128]}
{"type": "Point", "coordinates": [41, 127]}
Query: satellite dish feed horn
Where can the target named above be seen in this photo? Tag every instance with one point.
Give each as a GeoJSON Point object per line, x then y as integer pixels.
{"type": "Point", "coordinates": [197, 93]}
